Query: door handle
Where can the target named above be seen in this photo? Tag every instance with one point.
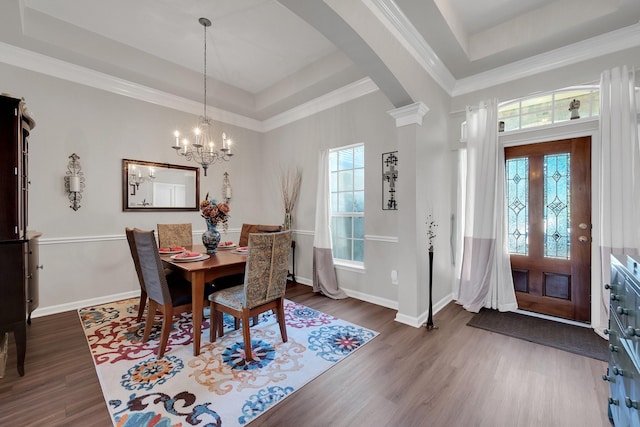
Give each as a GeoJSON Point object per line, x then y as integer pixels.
{"type": "Point", "coordinates": [583, 239]}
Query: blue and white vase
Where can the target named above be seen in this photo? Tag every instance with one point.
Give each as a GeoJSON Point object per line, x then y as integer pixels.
{"type": "Point", "coordinates": [211, 237]}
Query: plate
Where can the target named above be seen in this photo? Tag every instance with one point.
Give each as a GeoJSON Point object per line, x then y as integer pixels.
{"type": "Point", "coordinates": [177, 250]}
{"type": "Point", "coordinates": [200, 257]}
{"type": "Point", "coordinates": [242, 250]}
{"type": "Point", "coordinates": [226, 248]}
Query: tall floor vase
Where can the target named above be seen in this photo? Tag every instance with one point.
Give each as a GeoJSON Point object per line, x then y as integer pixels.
{"type": "Point", "coordinates": [430, 325]}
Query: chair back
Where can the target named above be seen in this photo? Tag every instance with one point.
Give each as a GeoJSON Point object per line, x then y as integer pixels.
{"type": "Point", "coordinates": [175, 235]}
{"type": "Point", "coordinates": [255, 228]}
{"type": "Point", "coordinates": [134, 255]}
{"type": "Point", "coordinates": [267, 268]}
{"type": "Point", "coordinates": [149, 264]}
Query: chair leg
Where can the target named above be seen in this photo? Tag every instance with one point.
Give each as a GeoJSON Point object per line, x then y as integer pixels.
{"type": "Point", "coordinates": [246, 333]}
{"type": "Point", "coordinates": [167, 321]}
{"type": "Point", "coordinates": [149, 322]}
{"type": "Point", "coordinates": [281, 322]}
{"type": "Point", "coordinates": [213, 320]}
{"type": "Point", "coordinates": [255, 320]}
{"type": "Point", "coordinates": [141, 304]}
{"type": "Point", "coordinates": [236, 323]}
{"type": "Point", "coordinates": [220, 324]}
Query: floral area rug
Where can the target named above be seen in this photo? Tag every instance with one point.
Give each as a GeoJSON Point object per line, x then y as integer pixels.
{"type": "Point", "coordinates": [218, 387]}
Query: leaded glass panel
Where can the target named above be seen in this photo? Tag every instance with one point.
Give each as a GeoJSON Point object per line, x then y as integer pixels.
{"type": "Point", "coordinates": [557, 206]}
{"type": "Point", "coordinates": [517, 175]}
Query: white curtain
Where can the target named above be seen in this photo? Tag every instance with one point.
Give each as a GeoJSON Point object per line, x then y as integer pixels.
{"type": "Point", "coordinates": [324, 273]}
{"type": "Point", "coordinates": [619, 174]}
{"type": "Point", "coordinates": [485, 277]}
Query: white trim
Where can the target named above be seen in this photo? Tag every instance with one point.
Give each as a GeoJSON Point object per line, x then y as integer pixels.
{"type": "Point", "coordinates": [40, 63]}
{"type": "Point", "coordinates": [75, 305]}
{"type": "Point", "coordinates": [43, 241]}
{"type": "Point", "coordinates": [352, 266]}
{"type": "Point", "coordinates": [304, 232]}
{"type": "Point", "coordinates": [390, 15]}
{"type": "Point", "coordinates": [386, 239]}
{"type": "Point", "coordinates": [552, 318]}
{"type": "Point", "coordinates": [384, 302]}
{"type": "Point", "coordinates": [614, 41]}
{"type": "Point", "coordinates": [346, 147]}
{"type": "Point", "coordinates": [409, 114]}
{"type": "Point", "coordinates": [47, 65]}
{"type": "Point", "coordinates": [420, 320]}
{"type": "Point", "coordinates": [401, 28]}
{"type": "Point", "coordinates": [336, 97]}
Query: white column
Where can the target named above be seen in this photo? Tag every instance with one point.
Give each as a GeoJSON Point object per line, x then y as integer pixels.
{"type": "Point", "coordinates": [410, 298]}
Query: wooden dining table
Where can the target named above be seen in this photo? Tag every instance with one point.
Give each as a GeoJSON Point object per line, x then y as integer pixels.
{"type": "Point", "coordinates": [223, 263]}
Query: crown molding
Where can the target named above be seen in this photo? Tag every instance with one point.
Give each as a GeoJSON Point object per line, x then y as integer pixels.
{"type": "Point", "coordinates": [409, 114]}
{"type": "Point", "coordinates": [43, 64]}
{"type": "Point", "coordinates": [399, 25]}
{"type": "Point", "coordinates": [614, 41]}
{"type": "Point", "coordinates": [47, 65]}
{"type": "Point", "coordinates": [336, 97]}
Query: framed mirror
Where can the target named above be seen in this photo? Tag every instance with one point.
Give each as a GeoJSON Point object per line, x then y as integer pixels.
{"type": "Point", "coordinates": [150, 186]}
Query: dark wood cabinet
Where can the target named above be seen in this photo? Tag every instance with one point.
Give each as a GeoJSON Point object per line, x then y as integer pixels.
{"type": "Point", "coordinates": [623, 373]}
{"type": "Point", "coordinates": [16, 244]}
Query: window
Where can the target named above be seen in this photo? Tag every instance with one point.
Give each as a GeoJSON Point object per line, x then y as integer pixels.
{"type": "Point", "coordinates": [346, 167]}
{"type": "Point", "coordinates": [549, 108]}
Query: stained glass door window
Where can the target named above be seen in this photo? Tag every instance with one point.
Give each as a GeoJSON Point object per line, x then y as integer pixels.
{"type": "Point", "coordinates": [517, 171]}
{"type": "Point", "coordinates": [557, 206]}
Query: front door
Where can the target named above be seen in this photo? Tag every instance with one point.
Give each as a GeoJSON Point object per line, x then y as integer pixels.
{"type": "Point", "coordinates": [548, 188]}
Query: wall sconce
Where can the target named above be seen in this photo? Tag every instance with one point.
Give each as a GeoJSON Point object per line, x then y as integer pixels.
{"type": "Point", "coordinates": [74, 181]}
{"type": "Point", "coordinates": [226, 188]}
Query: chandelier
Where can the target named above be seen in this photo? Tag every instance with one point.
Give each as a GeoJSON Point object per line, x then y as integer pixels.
{"type": "Point", "coordinates": [202, 150]}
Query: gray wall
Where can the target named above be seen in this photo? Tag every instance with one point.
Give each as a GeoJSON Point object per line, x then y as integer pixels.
{"type": "Point", "coordinates": [84, 253]}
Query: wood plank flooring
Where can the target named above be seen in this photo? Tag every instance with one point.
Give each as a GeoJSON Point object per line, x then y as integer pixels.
{"type": "Point", "coordinates": [454, 376]}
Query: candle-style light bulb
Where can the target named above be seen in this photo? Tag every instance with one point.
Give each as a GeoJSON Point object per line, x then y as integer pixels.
{"type": "Point", "coordinates": [211, 146]}
{"type": "Point", "coordinates": [198, 134]}
{"type": "Point", "coordinates": [186, 143]}
{"type": "Point", "coordinates": [176, 134]}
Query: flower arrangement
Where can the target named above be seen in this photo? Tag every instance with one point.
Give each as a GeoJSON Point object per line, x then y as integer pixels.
{"type": "Point", "coordinates": [431, 232]}
{"type": "Point", "coordinates": [214, 212]}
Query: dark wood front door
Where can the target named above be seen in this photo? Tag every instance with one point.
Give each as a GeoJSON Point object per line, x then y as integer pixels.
{"type": "Point", "coordinates": [548, 188]}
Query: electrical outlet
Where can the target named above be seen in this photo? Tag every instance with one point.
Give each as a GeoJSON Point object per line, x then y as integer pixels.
{"type": "Point", "coordinates": [394, 277]}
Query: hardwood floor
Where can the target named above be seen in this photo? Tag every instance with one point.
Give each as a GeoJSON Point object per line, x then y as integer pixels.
{"type": "Point", "coordinates": [454, 376]}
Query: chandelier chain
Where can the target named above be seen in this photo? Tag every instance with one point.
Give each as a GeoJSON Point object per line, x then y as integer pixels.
{"type": "Point", "coordinates": [205, 72]}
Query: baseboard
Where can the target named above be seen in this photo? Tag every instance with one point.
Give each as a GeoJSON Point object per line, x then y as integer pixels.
{"type": "Point", "coordinates": [420, 320]}
{"type": "Point", "coordinates": [75, 305]}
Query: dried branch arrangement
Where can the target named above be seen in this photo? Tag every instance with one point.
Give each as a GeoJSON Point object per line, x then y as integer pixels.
{"type": "Point", "coordinates": [290, 182]}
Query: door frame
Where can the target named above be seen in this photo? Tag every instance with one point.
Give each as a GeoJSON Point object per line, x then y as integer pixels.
{"type": "Point", "coordinates": [567, 130]}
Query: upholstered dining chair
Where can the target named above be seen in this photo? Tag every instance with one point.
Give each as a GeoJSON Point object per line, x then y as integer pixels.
{"type": "Point", "coordinates": [167, 294]}
{"type": "Point", "coordinates": [263, 289]}
{"type": "Point", "coordinates": [233, 280]}
{"type": "Point", "coordinates": [247, 229]}
{"type": "Point", "coordinates": [134, 255]}
{"type": "Point", "coordinates": [174, 235]}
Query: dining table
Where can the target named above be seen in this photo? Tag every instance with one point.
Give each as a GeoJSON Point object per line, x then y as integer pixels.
{"type": "Point", "coordinates": [222, 263]}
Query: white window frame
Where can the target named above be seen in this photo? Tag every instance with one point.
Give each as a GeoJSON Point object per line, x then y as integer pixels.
{"type": "Point", "coordinates": [591, 90]}
{"type": "Point", "coordinates": [343, 261]}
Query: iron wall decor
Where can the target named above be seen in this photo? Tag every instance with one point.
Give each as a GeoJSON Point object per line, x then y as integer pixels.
{"type": "Point", "coordinates": [389, 178]}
